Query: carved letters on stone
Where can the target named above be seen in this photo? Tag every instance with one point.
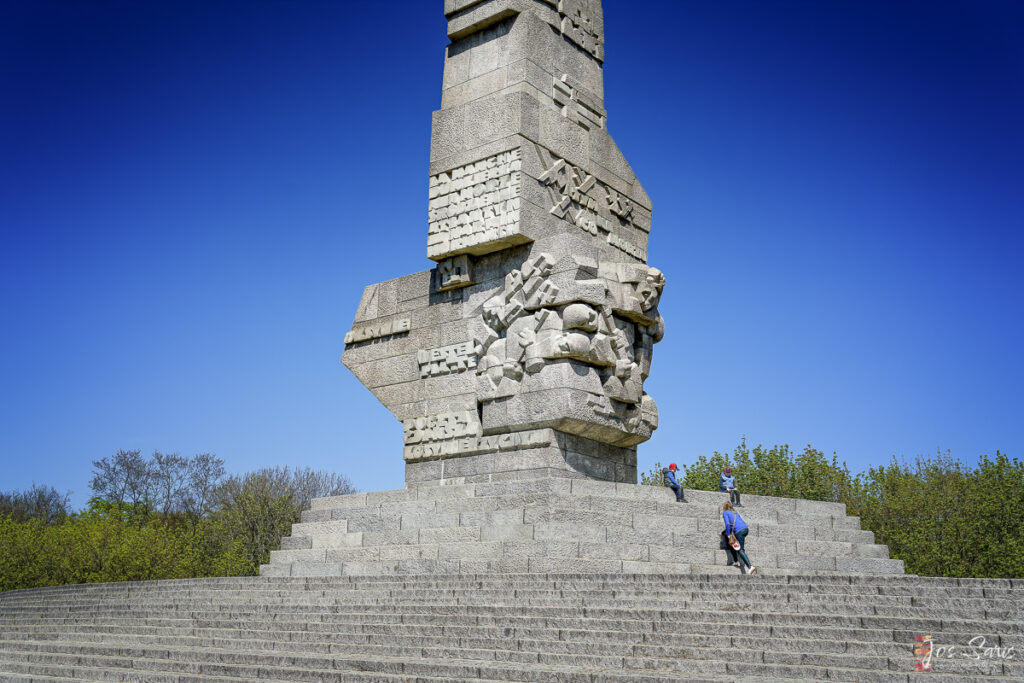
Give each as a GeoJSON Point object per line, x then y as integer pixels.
{"type": "Point", "coordinates": [441, 427]}
{"type": "Point", "coordinates": [453, 273]}
{"type": "Point", "coordinates": [378, 330]}
{"type": "Point", "coordinates": [446, 359]}
{"type": "Point", "coordinates": [472, 445]}
{"type": "Point", "coordinates": [474, 205]}
{"type": "Point", "coordinates": [627, 246]}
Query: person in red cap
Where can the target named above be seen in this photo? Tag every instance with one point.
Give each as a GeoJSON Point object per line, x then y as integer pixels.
{"type": "Point", "coordinates": [668, 475]}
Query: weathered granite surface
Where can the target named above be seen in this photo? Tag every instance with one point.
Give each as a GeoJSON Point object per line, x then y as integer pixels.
{"type": "Point", "coordinates": [539, 320]}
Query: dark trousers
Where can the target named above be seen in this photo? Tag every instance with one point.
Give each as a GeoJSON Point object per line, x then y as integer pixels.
{"type": "Point", "coordinates": [730, 554]}
{"type": "Point", "coordinates": [734, 496]}
{"type": "Point", "coordinates": [735, 556]}
{"type": "Point", "coordinates": [741, 536]}
{"type": "Point", "coordinates": [678, 491]}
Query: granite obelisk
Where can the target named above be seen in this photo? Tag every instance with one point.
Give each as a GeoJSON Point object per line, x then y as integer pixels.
{"type": "Point", "coordinates": [524, 351]}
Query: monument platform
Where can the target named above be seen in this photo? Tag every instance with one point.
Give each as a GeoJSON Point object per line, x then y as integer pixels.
{"type": "Point", "coordinates": [567, 525]}
{"type": "Point", "coordinates": [590, 628]}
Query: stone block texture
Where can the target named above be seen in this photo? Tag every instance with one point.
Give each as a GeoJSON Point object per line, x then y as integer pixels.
{"type": "Point", "coordinates": [478, 522]}
{"type": "Point", "coordinates": [399, 624]}
{"type": "Point", "coordinates": [539, 319]}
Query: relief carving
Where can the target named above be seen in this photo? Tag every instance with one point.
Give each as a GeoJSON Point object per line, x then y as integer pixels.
{"type": "Point", "coordinates": [576, 104]}
{"type": "Point", "coordinates": [475, 205]}
{"type": "Point", "coordinates": [446, 359]}
{"type": "Point", "coordinates": [453, 273]}
{"type": "Point", "coordinates": [592, 206]}
{"type": "Point", "coordinates": [441, 427]}
{"type": "Point", "coordinates": [578, 26]}
{"type": "Point", "coordinates": [603, 316]}
{"type": "Point", "coordinates": [378, 330]}
{"type": "Point", "coordinates": [472, 445]}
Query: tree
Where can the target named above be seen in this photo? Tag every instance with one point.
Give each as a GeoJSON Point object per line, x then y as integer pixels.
{"type": "Point", "coordinates": [42, 503]}
{"type": "Point", "coordinates": [259, 508]}
{"type": "Point", "coordinates": [162, 517]}
{"type": "Point", "coordinates": [125, 478]}
{"type": "Point", "coordinates": [205, 473]}
{"type": "Point", "coordinates": [169, 481]}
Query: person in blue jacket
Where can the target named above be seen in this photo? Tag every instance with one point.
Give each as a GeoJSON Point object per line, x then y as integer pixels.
{"type": "Point", "coordinates": [727, 484]}
{"type": "Point", "coordinates": [668, 476]}
{"type": "Point", "coordinates": [734, 524]}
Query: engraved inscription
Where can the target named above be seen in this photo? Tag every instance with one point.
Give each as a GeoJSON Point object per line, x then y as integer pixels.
{"type": "Point", "coordinates": [453, 273]}
{"type": "Point", "coordinates": [378, 330]}
{"type": "Point", "coordinates": [472, 445]}
{"type": "Point", "coordinates": [474, 205]}
{"type": "Point", "coordinates": [446, 359]}
{"type": "Point", "coordinates": [441, 427]}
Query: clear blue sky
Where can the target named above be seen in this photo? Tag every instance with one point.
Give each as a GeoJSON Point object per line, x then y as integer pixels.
{"type": "Point", "coordinates": [194, 194]}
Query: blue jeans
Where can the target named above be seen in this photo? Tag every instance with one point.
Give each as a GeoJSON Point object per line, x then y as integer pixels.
{"type": "Point", "coordinates": [677, 489]}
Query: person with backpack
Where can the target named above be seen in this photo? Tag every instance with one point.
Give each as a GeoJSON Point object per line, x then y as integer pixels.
{"type": "Point", "coordinates": [668, 476]}
{"type": "Point", "coordinates": [727, 484]}
{"type": "Point", "coordinates": [736, 530]}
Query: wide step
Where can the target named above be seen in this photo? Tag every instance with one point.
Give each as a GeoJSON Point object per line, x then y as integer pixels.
{"type": "Point", "coordinates": [526, 627]}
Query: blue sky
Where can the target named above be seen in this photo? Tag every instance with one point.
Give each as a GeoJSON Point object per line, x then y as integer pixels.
{"type": "Point", "coordinates": [194, 194]}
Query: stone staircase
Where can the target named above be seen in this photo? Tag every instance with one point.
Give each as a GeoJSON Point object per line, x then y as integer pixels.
{"type": "Point", "coordinates": [543, 580]}
{"type": "Point", "coordinates": [566, 525]}
{"type": "Point", "coordinates": [585, 628]}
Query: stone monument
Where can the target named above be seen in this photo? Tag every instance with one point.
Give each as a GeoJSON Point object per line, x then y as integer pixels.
{"type": "Point", "coordinates": [523, 352]}
{"type": "Point", "coordinates": [517, 364]}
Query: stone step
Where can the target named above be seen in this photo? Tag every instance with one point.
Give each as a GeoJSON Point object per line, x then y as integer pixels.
{"type": "Point", "coordinates": [515, 634]}
{"type": "Point", "coordinates": [613, 509]}
{"type": "Point", "coordinates": [1001, 613]}
{"type": "Point", "coordinates": [586, 627]}
{"type": "Point", "coordinates": [565, 525]}
{"type": "Point", "coordinates": [255, 584]}
{"type": "Point", "coordinates": [262, 588]}
{"type": "Point", "coordinates": [355, 642]}
{"type": "Point", "coordinates": [471, 594]}
{"type": "Point", "coordinates": [847, 616]}
{"type": "Point", "coordinates": [495, 542]}
{"type": "Point", "coordinates": [470, 591]}
{"type": "Point", "coordinates": [52, 674]}
{"type": "Point", "coordinates": [36, 672]}
{"type": "Point", "coordinates": [571, 487]}
{"type": "Point", "coordinates": [471, 617]}
{"type": "Point", "coordinates": [256, 665]}
{"type": "Point", "coordinates": [513, 564]}
{"type": "Point", "coordinates": [428, 543]}
{"type": "Point", "coordinates": [461, 662]}
{"type": "Point", "coordinates": [645, 527]}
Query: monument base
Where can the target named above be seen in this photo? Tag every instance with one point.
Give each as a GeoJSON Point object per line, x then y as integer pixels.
{"type": "Point", "coordinates": [565, 525]}
{"type": "Point", "coordinates": [561, 456]}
